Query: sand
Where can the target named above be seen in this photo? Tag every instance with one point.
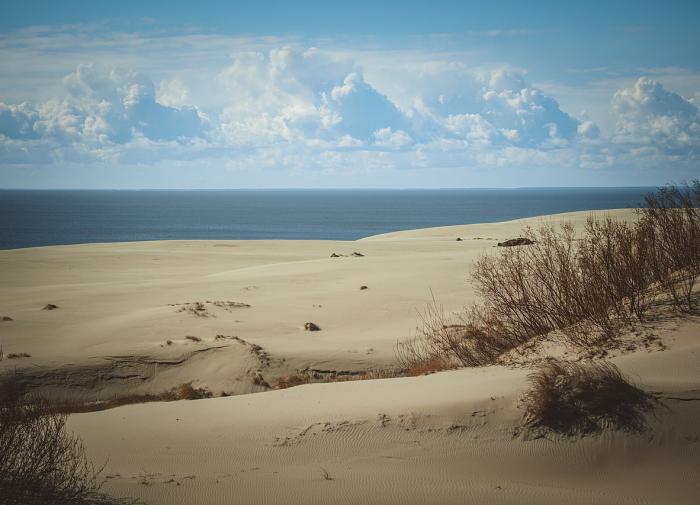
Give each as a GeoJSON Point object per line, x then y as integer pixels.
{"type": "Point", "coordinates": [450, 437]}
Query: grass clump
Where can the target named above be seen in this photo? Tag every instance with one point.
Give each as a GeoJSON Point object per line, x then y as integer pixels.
{"type": "Point", "coordinates": [574, 398]}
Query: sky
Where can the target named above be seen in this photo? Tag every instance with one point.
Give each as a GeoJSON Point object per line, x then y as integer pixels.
{"type": "Point", "coordinates": [277, 94]}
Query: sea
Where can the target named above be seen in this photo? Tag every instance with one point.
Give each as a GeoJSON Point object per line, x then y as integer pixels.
{"type": "Point", "coordinates": [31, 218]}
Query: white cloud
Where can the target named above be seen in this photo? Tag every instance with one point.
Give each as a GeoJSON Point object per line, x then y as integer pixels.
{"type": "Point", "coordinates": [17, 121]}
{"type": "Point", "coordinates": [262, 105]}
{"type": "Point", "coordinates": [475, 128]}
{"type": "Point", "coordinates": [385, 137]}
{"type": "Point", "coordinates": [512, 104]}
{"type": "Point", "coordinates": [588, 129]}
{"type": "Point", "coordinates": [649, 115]}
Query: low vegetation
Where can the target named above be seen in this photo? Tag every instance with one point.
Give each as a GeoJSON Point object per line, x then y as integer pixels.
{"type": "Point", "coordinates": [40, 461]}
{"type": "Point", "coordinates": [589, 287]}
{"type": "Point", "coordinates": [575, 398]}
{"type": "Point", "coordinates": [182, 392]}
{"type": "Point", "coordinates": [309, 377]}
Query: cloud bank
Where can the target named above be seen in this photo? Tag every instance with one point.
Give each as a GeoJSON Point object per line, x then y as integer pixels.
{"type": "Point", "coordinates": [299, 109]}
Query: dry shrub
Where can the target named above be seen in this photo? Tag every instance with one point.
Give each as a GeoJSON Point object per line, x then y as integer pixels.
{"type": "Point", "coordinates": [432, 365]}
{"type": "Point", "coordinates": [445, 341]}
{"type": "Point", "coordinates": [589, 287]}
{"type": "Point", "coordinates": [289, 381]}
{"type": "Point", "coordinates": [181, 392]}
{"type": "Point", "coordinates": [574, 398]}
{"type": "Point", "coordinates": [187, 392]}
{"type": "Point", "coordinates": [259, 380]}
{"type": "Point", "coordinates": [671, 219]}
{"type": "Point", "coordinates": [558, 282]}
{"type": "Point", "coordinates": [310, 377]}
{"type": "Point", "coordinates": [612, 257]}
{"type": "Point", "coordinates": [40, 461]}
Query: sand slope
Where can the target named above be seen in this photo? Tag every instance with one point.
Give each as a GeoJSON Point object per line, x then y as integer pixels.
{"type": "Point", "coordinates": [452, 437]}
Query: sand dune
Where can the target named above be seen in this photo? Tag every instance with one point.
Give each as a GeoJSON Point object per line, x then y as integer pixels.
{"type": "Point", "coordinates": [451, 437]}
{"type": "Point", "coordinates": [125, 301]}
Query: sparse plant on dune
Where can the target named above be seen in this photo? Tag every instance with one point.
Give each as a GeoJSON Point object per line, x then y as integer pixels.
{"type": "Point", "coordinates": [292, 380]}
{"type": "Point", "coordinates": [40, 461]}
{"type": "Point", "coordinates": [577, 398]}
{"type": "Point", "coordinates": [588, 286]}
{"type": "Point", "coordinates": [187, 392]}
{"type": "Point", "coordinates": [671, 219]}
{"type": "Point", "coordinates": [445, 341]}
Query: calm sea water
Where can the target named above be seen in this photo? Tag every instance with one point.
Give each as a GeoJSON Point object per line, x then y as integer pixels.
{"type": "Point", "coordinates": [38, 218]}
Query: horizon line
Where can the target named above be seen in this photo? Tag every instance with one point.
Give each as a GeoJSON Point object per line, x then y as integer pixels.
{"type": "Point", "coordinates": [355, 188]}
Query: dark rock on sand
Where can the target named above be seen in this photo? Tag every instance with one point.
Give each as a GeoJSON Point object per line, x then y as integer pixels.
{"type": "Point", "coordinates": [311, 327]}
{"type": "Point", "coordinates": [363, 287]}
{"type": "Point", "coordinates": [357, 254]}
{"type": "Point", "coordinates": [516, 241]}
{"type": "Point", "coordinates": [334, 255]}
{"type": "Point", "coordinates": [459, 239]}
{"type": "Point", "coordinates": [6, 318]}
{"type": "Point", "coordinates": [50, 306]}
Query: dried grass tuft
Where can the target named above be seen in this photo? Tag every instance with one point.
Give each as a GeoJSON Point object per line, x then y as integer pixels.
{"type": "Point", "coordinates": [575, 398]}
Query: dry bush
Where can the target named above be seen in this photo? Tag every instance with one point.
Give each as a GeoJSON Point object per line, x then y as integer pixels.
{"type": "Point", "coordinates": [309, 377]}
{"type": "Point", "coordinates": [613, 255]}
{"type": "Point", "coordinates": [612, 281]}
{"type": "Point", "coordinates": [40, 462]}
{"type": "Point", "coordinates": [589, 287]}
{"type": "Point", "coordinates": [574, 398]}
{"type": "Point", "coordinates": [187, 392]}
{"type": "Point", "coordinates": [291, 381]}
{"type": "Point", "coordinates": [671, 220]}
{"type": "Point", "coordinates": [444, 342]}
{"type": "Point", "coordinates": [182, 392]}
{"type": "Point", "coordinates": [259, 380]}
{"type": "Point", "coordinates": [427, 367]}
{"type": "Point", "coordinates": [528, 289]}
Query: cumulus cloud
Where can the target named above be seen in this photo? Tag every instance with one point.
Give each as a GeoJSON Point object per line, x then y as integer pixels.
{"type": "Point", "coordinates": [300, 109]}
{"type": "Point", "coordinates": [475, 128]}
{"type": "Point", "coordinates": [513, 105]}
{"type": "Point", "coordinates": [496, 108]}
{"type": "Point", "coordinates": [360, 109]}
{"type": "Point", "coordinates": [588, 129]}
{"type": "Point", "coordinates": [288, 95]}
{"type": "Point", "coordinates": [385, 137]}
{"type": "Point", "coordinates": [101, 109]}
{"type": "Point", "coordinates": [17, 121]}
{"type": "Point", "coordinates": [509, 110]}
{"type": "Point", "coordinates": [115, 106]}
{"type": "Point", "coordinates": [650, 115]}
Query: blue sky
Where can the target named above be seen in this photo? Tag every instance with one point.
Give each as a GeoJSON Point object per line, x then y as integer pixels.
{"type": "Point", "coordinates": [368, 94]}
